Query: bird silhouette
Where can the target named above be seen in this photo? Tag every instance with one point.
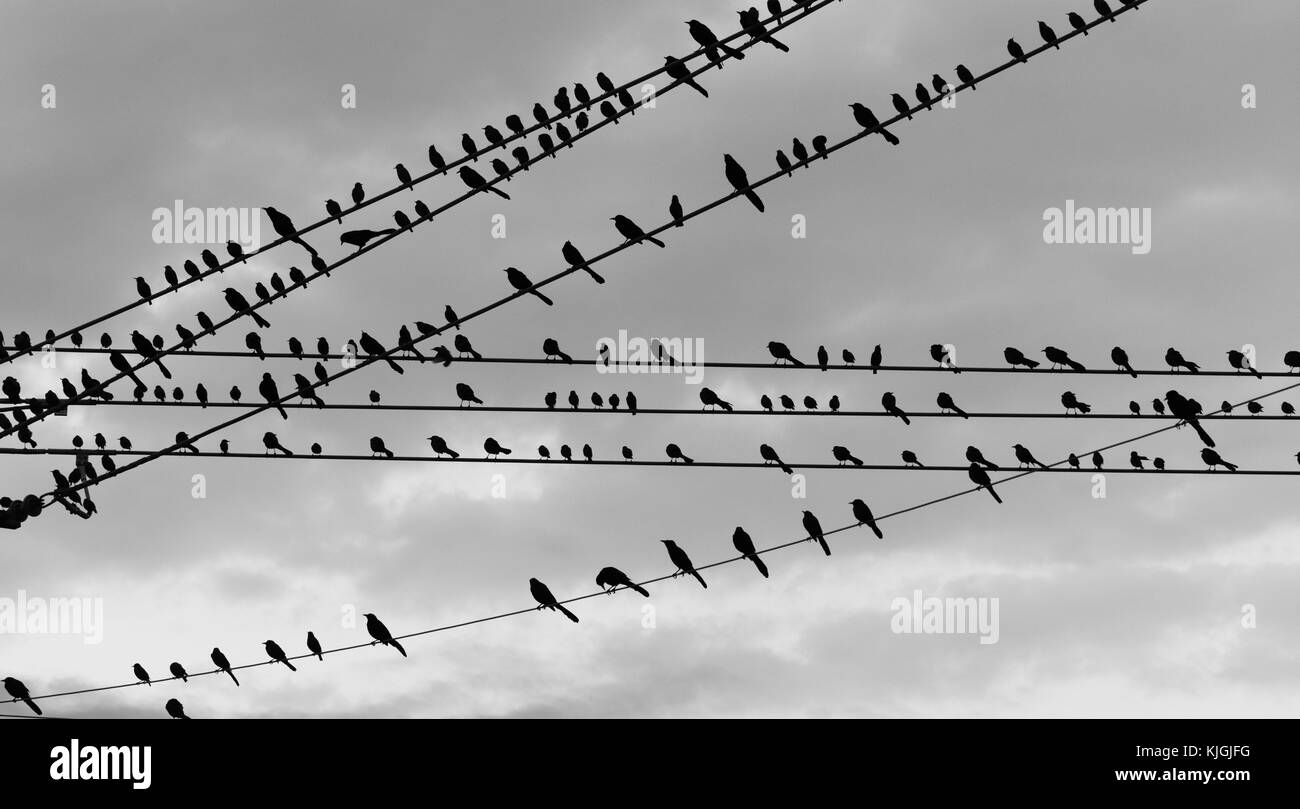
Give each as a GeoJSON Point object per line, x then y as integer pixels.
{"type": "Point", "coordinates": [1135, 460]}
{"type": "Point", "coordinates": [285, 229]}
{"type": "Point", "coordinates": [1185, 410]}
{"type": "Point", "coordinates": [678, 71]}
{"type": "Point", "coordinates": [1239, 361]}
{"type": "Point", "coordinates": [910, 459]}
{"type": "Point", "coordinates": [843, 455]}
{"type": "Point", "coordinates": [711, 399]}
{"type": "Point", "coordinates": [751, 24]}
{"type": "Point", "coordinates": [1097, 460]}
{"type": "Point", "coordinates": [380, 633]}
{"type": "Point", "coordinates": [313, 646]}
{"type": "Point", "coordinates": [1077, 22]}
{"type": "Point", "coordinates": [142, 287]}
{"type": "Point", "coordinates": [178, 671]}
{"type": "Point", "coordinates": [1120, 357]}
{"type": "Point", "coordinates": [710, 42]}
{"type": "Point", "coordinates": [923, 95]}
{"type": "Point", "coordinates": [823, 358]}
{"type": "Point", "coordinates": [463, 347]}
{"type": "Point", "coordinates": [440, 448]}
{"type": "Point", "coordinates": [271, 393]}
{"type": "Point", "coordinates": [1158, 463]}
{"type": "Point", "coordinates": [574, 257]}
{"type": "Point", "coordinates": [1049, 36]}
{"type": "Point", "coordinates": [175, 709]}
{"type": "Point", "coordinates": [475, 182]}
{"type": "Point", "coordinates": [1175, 360]}
{"type": "Point", "coordinates": [520, 282]}
{"type": "Point", "coordinates": [18, 690]}
{"type": "Point", "coordinates": [1134, 408]}
{"type": "Point", "coordinates": [780, 351]}
{"type": "Point", "coordinates": [611, 578]}
{"type": "Point", "coordinates": [547, 600]}
{"type": "Point", "coordinates": [493, 449]}
{"type": "Point", "coordinates": [941, 355]}
{"type": "Point", "coordinates": [277, 654]}
{"type": "Point", "coordinates": [745, 545]}
{"type": "Point", "coordinates": [254, 344]}
{"type": "Point", "coordinates": [632, 231]}
{"type": "Point", "coordinates": [1026, 458]}
{"type": "Point", "coordinates": [360, 238]}
{"type": "Point", "coordinates": [1213, 459]}
{"type": "Point", "coordinates": [146, 349]}
{"type": "Point", "coordinates": [1017, 52]}
{"type": "Point", "coordinates": [981, 479]}
{"type": "Point", "coordinates": [141, 674]}
{"type": "Point", "coordinates": [770, 456]}
{"type": "Point", "coordinates": [1103, 9]}
{"type": "Point", "coordinates": [1014, 357]}
{"type": "Point", "coordinates": [901, 105]}
{"type": "Point", "coordinates": [222, 664]}
{"type": "Point", "coordinates": [1059, 357]}
{"type": "Point", "coordinates": [377, 447]}
{"type": "Point", "coordinates": [862, 513]}
{"type": "Point", "coordinates": [675, 453]}
{"type": "Point", "coordinates": [374, 348]}
{"type": "Point", "coordinates": [740, 181]}
{"type": "Point", "coordinates": [799, 151]}
{"type": "Point", "coordinates": [814, 529]}
{"type": "Point", "coordinates": [1072, 403]}
{"type": "Point", "coordinates": [945, 402]}
{"type": "Point", "coordinates": [890, 403]}
{"type": "Point", "coordinates": [682, 561]}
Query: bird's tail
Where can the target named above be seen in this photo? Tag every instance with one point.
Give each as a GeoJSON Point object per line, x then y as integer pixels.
{"type": "Point", "coordinates": [31, 704]}
{"type": "Point", "coordinates": [566, 612]}
{"type": "Point", "coordinates": [595, 275]}
{"type": "Point", "coordinates": [259, 320]}
{"type": "Point", "coordinates": [163, 368]}
{"type": "Point", "coordinates": [397, 646]}
{"type": "Point", "coordinates": [1084, 408]}
{"type": "Point", "coordinates": [758, 563]}
{"type": "Point", "coordinates": [503, 450]}
{"type": "Point", "coordinates": [1257, 374]}
{"type": "Point", "coordinates": [1030, 363]}
{"type": "Point", "coordinates": [752, 196]}
{"type": "Point", "coordinates": [653, 240]}
{"type": "Point", "coordinates": [290, 664]}
{"type": "Point", "coordinates": [388, 453]}
{"type": "Point", "coordinates": [394, 365]}
{"type": "Point", "coordinates": [858, 461]}
{"type": "Point", "coordinates": [692, 83]}
{"type": "Point", "coordinates": [286, 450]}
{"type": "Point", "coordinates": [232, 676]}
{"type": "Point", "coordinates": [904, 417]}
{"type": "Point", "coordinates": [503, 195]}
{"type": "Point", "coordinates": [545, 299]}
{"type": "Point", "coordinates": [1130, 370]}
{"type": "Point", "coordinates": [725, 405]}
{"type": "Point", "coordinates": [730, 51]}
{"type": "Point", "coordinates": [639, 589]}
{"type": "Point", "coordinates": [892, 138]}
{"type": "Point", "coordinates": [966, 415]}
{"type": "Point", "coordinates": [995, 494]}
{"type": "Point", "coordinates": [825, 547]}
{"type": "Point", "coordinates": [687, 460]}
{"type": "Point", "coordinates": [1232, 467]}
{"type": "Point", "coordinates": [283, 413]}
{"type": "Point", "coordinates": [1077, 366]}
{"type": "Point", "coordinates": [780, 46]}
{"type": "Point", "coordinates": [1193, 367]}
{"type": "Point", "coordinates": [1205, 437]}
{"type": "Point", "coordinates": [453, 454]}
{"type": "Point", "coordinates": [700, 579]}
{"type": "Point", "coordinates": [875, 529]}
{"type": "Point", "coordinates": [319, 657]}
{"type": "Point", "coordinates": [786, 469]}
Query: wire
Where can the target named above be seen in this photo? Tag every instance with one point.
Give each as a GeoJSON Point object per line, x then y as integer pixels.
{"type": "Point", "coordinates": [679, 366]}
{"type": "Point", "coordinates": [598, 258]}
{"type": "Point", "coordinates": [652, 411]}
{"type": "Point", "coordinates": [447, 170]}
{"type": "Point", "coordinates": [376, 243]}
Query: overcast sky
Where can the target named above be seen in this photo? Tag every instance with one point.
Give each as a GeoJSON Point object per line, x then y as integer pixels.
{"type": "Point", "coordinates": [1127, 605]}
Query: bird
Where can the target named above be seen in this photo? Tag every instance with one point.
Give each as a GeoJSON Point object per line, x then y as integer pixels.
{"type": "Point", "coordinates": [940, 354]}
{"type": "Point", "coordinates": [862, 513]}
{"type": "Point", "coordinates": [631, 402]}
{"type": "Point", "coordinates": [745, 545]}
{"type": "Point", "coordinates": [1241, 362]}
{"type": "Point", "coordinates": [1186, 410]}
{"type": "Point", "coordinates": [834, 404]}
{"type": "Point", "coordinates": [254, 344]}
{"type": "Point", "coordinates": [574, 257]}
{"type": "Point", "coordinates": [814, 529]}
{"type": "Point", "coordinates": [222, 664]}
{"type": "Point", "coordinates": [285, 229]}
{"type": "Point", "coordinates": [847, 356]}
{"type": "Point", "coordinates": [334, 210]}
{"type": "Point", "coordinates": [475, 182]}
{"type": "Point", "coordinates": [923, 95]}
{"type": "Point", "coordinates": [682, 561]}
{"type": "Point", "coordinates": [843, 455]}
{"type": "Point", "coordinates": [520, 282]}
{"type": "Point", "coordinates": [573, 399]}
{"type": "Point", "coordinates": [377, 447]}
{"type": "Point", "coordinates": [1014, 357]}
{"type": "Point", "coordinates": [374, 348]}
{"type": "Point", "coordinates": [18, 690]}
{"type": "Point", "coordinates": [678, 71]}
{"type": "Point", "coordinates": [1097, 460]}
{"type": "Point", "coordinates": [1059, 357]}
{"type": "Point", "coordinates": [1103, 9]}
{"type": "Point", "coordinates": [770, 456]}
{"type": "Point", "coordinates": [239, 304]}
{"type": "Point", "coordinates": [146, 349]}
{"type": "Point", "coordinates": [175, 709]}
{"type": "Point", "coordinates": [463, 347]}
{"type": "Point", "coordinates": [901, 105]}
{"type": "Point", "coordinates": [142, 287]}
{"type": "Point", "coordinates": [810, 403]}
{"type": "Point", "coordinates": [1049, 36]}
{"type": "Point", "coordinates": [675, 453]}
{"type": "Point", "coordinates": [547, 600]}
{"type": "Point", "coordinates": [550, 400]}
{"type": "Point", "coordinates": [236, 251]}
{"type": "Point", "coordinates": [358, 194]}
{"type": "Point", "coordinates": [1213, 459]}
{"type": "Point", "coordinates": [709, 41]}
{"type": "Point", "coordinates": [1017, 52]}
{"type": "Point", "coordinates": [1120, 357]}
{"type": "Point", "coordinates": [1158, 463]}
{"type": "Point", "coordinates": [632, 231]}
{"type": "Point", "coordinates": [551, 348]}
{"type": "Point", "coordinates": [890, 403]}
{"type": "Point", "coordinates": [1025, 457]}
{"type": "Point", "coordinates": [966, 77]}
{"type": "Point", "coordinates": [611, 578]}
{"type": "Point", "coordinates": [799, 151]}
{"type": "Point", "coordinates": [1291, 360]}
{"type": "Point", "coordinates": [627, 453]}
{"type": "Point", "coordinates": [468, 145]}
{"type": "Point", "coordinates": [1135, 460]}
{"type": "Point", "coordinates": [271, 394]}
{"type": "Point", "coordinates": [360, 238]}
{"type": "Point", "coordinates": [1287, 409]}
{"type": "Point", "coordinates": [1072, 460]}
{"type": "Point", "coordinates": [752, 25]}
{"type": "Point", "coordinates": [940, 85]}
{"type": "Point", "coordinates": [543, 452]}
{"type": "Point", "coordinates": [566, 452]}
{"type": "Point", "coordinates": [780, 351]}
{"type": "Point", "coordinates": [910, 459]}
{"type": "Point", "coordinates": [494, 449]}
{"type": "Point", "coordinates": [1254, 408]}
{"type": "Point", "coordinates": [440, 448]}
{"type": "Point", "coordinates": [675, 211]}
{"type": "Point", "coordinates": [179, 672]}
{"type": "Point", "coordinates": [380, 633]}
{"type": "Point", "coordinates": [277, 654]}
{"type": "Point", "coordinates": [875, 360]}
{"type": "Point", "coordinates": [1077, 22]}
{"type": "Point", "coordinates": [141, 674]}
{"type": "Point", "coordinates": [711, 399]}
{"type": "Point", "coordinates": [587, 452]}
{"type": "Point", "coordinates": [1134, 408]}
{"type": "Point", "coordinates": [1175, 360]}
{"type": "Point", "coordinates": [945, 402]}
{"type": "Point", "coordinates": [823, 358]}
{"type": "Point", "coordinates": [1158, 406]}
{"type": "Point", "coordinates": [1072, 403]}
{"type": "Point", "coordinates": [313, 646]}
{"type": "Point", "coordinates": [740, 181]}
{"type": "Point", "coordinates": [981, 479]}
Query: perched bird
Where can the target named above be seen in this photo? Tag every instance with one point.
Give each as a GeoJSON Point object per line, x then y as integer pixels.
{"type": "Point", "coordinates": [740, 181]}
{"type": "Point", "coordinates": [1103, 9]}
{"type": "Point", "coordinates": [573, 399]}
{"type": "Point", "coordinates": [923, 95]}
{"type": "Point", "coordinates": [1175, 360]}
{"type": "Point", "coordinates": [1135, 460]}
{"type": "Point", "coordinates": [546, 600]}
{"type": "Point", "coordinates": [1077, 22]}
{"type": "Point", "coordinates": [18, 690]}
{"type": "Point", "coordinates": [678, 71]}
{"type": "Point", "coordinates": [1213, 459]}
{"type": "Point", "coordinates": [823, 358]}
{"type": "Point", "coordinates": [834, 404]}
{"type": "Point", "coordinates": [784, 163]}
{"type": "Point", "coordinates": [709, 41]}
{"type": "Point", "coordinates": [146, 349]}
{"type": "Point", "coordinates": [780, 351]}
{"type": "Point", "coordinates": [313, 646]}
{"type": "Point", "coordinates": [1158, 406]}
{"type": "Point", "coordinates": [1158, 463]}
{"type": "Point", "coordinates": [440, 448]}
{"type": "Point", "coordinates": [862, 513]}
{"type": "Point", "coordinates": [814, 529]}
{"type": "Point", "coordinates": [175, 709]}
{"type": "Point", "coordinates": [627, 453]}
{"type": "Point", "coordinates": [1134, 408]}
{"type": "Point", "coordinates": [632, 231]}
{"type": "Point", "coordinates": [380, 633]}
{"type": "Point", "coordinates": [847, 356]}
{"type": "Point", "coordinates": [520, 282]}
{"type": "Point", "coordinates": [752, 25]}
{"type": "Point", "coordinates": [493, 449]}
{"type": "Point", "coordinates": [566, 452]}
{"type": "Point", "coordinates": [272, 444]}
{"type": "Point", "coordinates": [981, 479]}
{"type": "Point", "coordinates": [799, 151]}
{"type": "Point", "coordinates": [1014, 357]}
{"type": "Point", "coordinates": [178, 671]}
{"type": "Point", "coordinates": [1239, 361]}
{"type": "Point", "coordinates": [945, 403]}
{"type": "Point", "coordinates": [1072, 403]}
{"type": "Point", "coordinates": [901, 105]}
{"type": "Point", "coordinates": [1059, 357]}
{"type": "Point", "coordinates": [220, 661]}
{"type": "Point", "coordinates": [1120, 357]}
{"type": "Point", "coordinates": [711, 399]}
{"type": "Point", "coordinates": [285, 229]}
{"type": "Point", "coordinates": [359, 238]}
{"type": "Point", "coordinates": [142, 287]}
{"type": "Point", "coordinates": [475, 182]}
{"type": "Point", "coordinates": [631, 402]}
{"type": "Point", "coordinates": [574, 257]}
{"type": "Point", "coordinates": [277, 654]}
{"type": "Point", "coordinates": [910, 459]}
{"type": "Point", "coordinates": [374, 348]}
{"type": "Point", "coordinates": [675, 453]}
{"type": "Point", "coordinates": [745, 545]}
{"type": "Point", "coordinates": [890, 403]}
{"type": "Point", "coordinates": [1073, 461]}
{"type": "Point", "coordinates": [141, 674]}
{"type": "Point", "coordinates": [377, 447]}
{"type": "Point", "coordinates": [770, 456]}
{"type": "Point", "coordinates": [358, 194]}
{"type": "Point", "coordinates": [1049, 36]}
{"type": "Point", "coordinates": [675, 211]}
{"type": "Point", "coordinates": [843, 456]}
{"type": "Point", "coordinates": [1017, 52]}
{"type": "Point", "coordinates": [875, 360]}
{"type": "Point", "coordinates": [271, 394]}
{"type": "Point", "coordinates": [1097, 460]}
{"type": "Point", "coordinates": [551, 348]}
{"type": "Point", "coordinates": [1026, 458]}
{"type": "Point", "coordinates": [683, 562]}
{"type": "Point", "coordinates": [941, 355]}
{"type": "Point", "coordinates": [611, 578]}
{"type": "Point", "coordinates": [1187, 410]}
{"type": "Point", "coordinates": [240, 306]}
{"type": "Point", "coordinates": [334, 210]}
{"type": "Point", "coordinates": [254, 344]}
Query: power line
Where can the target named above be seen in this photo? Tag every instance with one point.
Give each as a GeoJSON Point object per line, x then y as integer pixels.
{"type": "Point", "coordinates": [679, 366]}
{"type": "Point", "coordinates": [777, 26]}
{"type": "Point", "coordinates": [613, 251]}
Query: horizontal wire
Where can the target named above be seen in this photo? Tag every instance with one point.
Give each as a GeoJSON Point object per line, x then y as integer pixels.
{"type": "Point", "coordinates": [614, 250]}
{"type": "Point", "coordinates": [595, 100]}
{"type": "Point", "coordinates": [680, 366]}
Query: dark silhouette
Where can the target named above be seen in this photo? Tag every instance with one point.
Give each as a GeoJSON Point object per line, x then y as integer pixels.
{"type": "Point", "coordinates": [313, 646]}
{"type": "Point", "coordinates": [277, 654]}
{"type": "Point", "coordinates": [745, 545]}
{"type": "Point", "coordinates": [675, 453]}
{"type": "Point", "coordinates": [1026, 458]}
{"type": "Point", "coordinates": [1136, 460]}
{"type": "Point", "coordinates": [1213, 459]}
{"type": "Point", "coordinates": [945, 402]}
{"type": "Point", "coordinates": [178, 670]}
{"type": "Point", "coordinates": [146, 349]}
{"type": "Point", "coordinates": [359, 238]}
{"type": "Point", "coordinates": [1103, 9]}
{"type": "Point", "coordinates": [493, 449]}
{"type": "Point", "coordinates": [142, 287]}
{"type": "Point", "coordinates": [174, 709]}
{"type": "Point", "coordinates": [740, 181]}
{"type": "Point", "coordinates": [520, 282]}
{"type": "Point", "coordinates": [1049, 36]}
{"type": "Point", "coordinates": [814, 529]}
{"type": "Point", "coordinates": [440, 448]}
{"type": "Point", "coordinates": [683, 562]}
{"type": "Point", "coordinates": [910, 459]}
{"type": "Point", "coordinates": [940, 355]}
{"type": "Point", "coordinates": [271, 394]}
{"type": "Point", "coordinates": [283, 225]}
{"type": "Point", "coordinates": [753, 25]}
{"type": "Point", "coordinates": [574, 257]}
{"type": "Point", "coordinates": [1239, 361]}
{"type": "Point", "coordinates": [843, 455]}
{"type": "Point", "coordinates": [1059, 357]}
{"type": "Point", "coordinates": [272, 443]}
{"type": "Point", "coordinates": [1187, 410]}
{"type": "Point", "coordinates": [547, 600]}
{"type": "Point", "coordinates": [769, 456]}
{"type": "Point", "coordinates": [611, 578]}
{"type": "Point", "coordinates": [377, 447]}
{"type": "Point", "coordinates": [1077, 22]}
{"type": "Point", "coordinates": [1175, 360]}
{"type": "Point", "coordinates": [901, 105]}
{"type": "Point", "coordinates": [1017, 52]}
{"type": "Point", "coordinates": [1014, 357]}
{"type": "Point", "coordinates": [381, 634]}
{"type": "Point", "coordinates": [780, 351]}
{"type": "Point", "coordinates": [1120, 357]}
{"type": "Point", "coordinates": [862, 513]}
{"type": "Point", "coordinates": [981, 479]}
{"type": "Point", "coordinates": [632, 231]}
{"type": "Point", "coordinates": [551, 348]}
{"type": "Point", "coordinates": [678, 71]}
{"type": "Point", "coordinates": [141, 674]}
{"type": "Point", "coordinates": [18, 690]}
{"type": "Point", "coordinates": [1072, 403]}
{"type": "Point", "coordinates": [711, 399]}
{"type": "Point", "coordinates": [220, 661]}
{"type": "Point", "coordinates": [709, 41]}
{"type": "Point", "coordinates": [374, 348]}
{"type": "Point", "coordinates": [890, 403]}
{"type": "Point", "coordinates": [476, 182]}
